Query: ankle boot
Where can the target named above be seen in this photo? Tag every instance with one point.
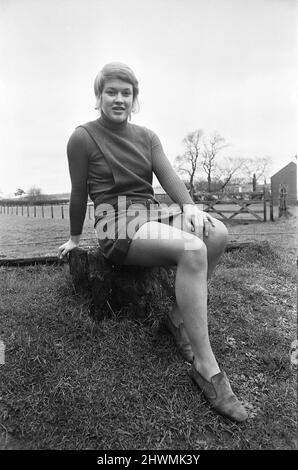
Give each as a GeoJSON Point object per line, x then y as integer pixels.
{"type": "Point", "coordinates": [181, 339]}
{"type": "Point", "coordinates": [220, 395]}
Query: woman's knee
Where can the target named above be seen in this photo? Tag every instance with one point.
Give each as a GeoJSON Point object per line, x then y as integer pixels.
{"type": "Point", "coordinates": [194, 256]}
{"type": "Point", "coordinates": [218, 236]}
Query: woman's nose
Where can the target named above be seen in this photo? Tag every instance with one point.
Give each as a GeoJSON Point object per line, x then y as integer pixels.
{"type": "Point", "coordinates": [119, 98]}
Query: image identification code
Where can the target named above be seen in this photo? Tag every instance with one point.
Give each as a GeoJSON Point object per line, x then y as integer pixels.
{"type": "Point", "coordinates": [149, 459]}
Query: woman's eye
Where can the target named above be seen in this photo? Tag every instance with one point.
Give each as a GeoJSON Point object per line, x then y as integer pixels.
{"type": "Point", "coordinates": [126, 94]}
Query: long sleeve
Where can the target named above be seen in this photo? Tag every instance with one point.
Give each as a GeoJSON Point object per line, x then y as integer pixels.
{"type": "Point", "coordinates": [166, 174]}
{"type": "Point", "coordinates": [78, 168]}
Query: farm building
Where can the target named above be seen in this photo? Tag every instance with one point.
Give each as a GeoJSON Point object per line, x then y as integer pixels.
{"type": "Point", "coordinates": [287, 176]}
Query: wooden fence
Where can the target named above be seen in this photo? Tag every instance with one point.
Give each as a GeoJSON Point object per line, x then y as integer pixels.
{"type": "Point", "coordinates": [41, 210]}
{"type": "Point", "coordinates": [227, 207]}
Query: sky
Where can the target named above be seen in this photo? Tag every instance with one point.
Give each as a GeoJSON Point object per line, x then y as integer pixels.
{"type": "Point", "coordinates": [220, 65]}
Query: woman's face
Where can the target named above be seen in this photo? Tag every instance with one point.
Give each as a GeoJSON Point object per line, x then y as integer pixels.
{"type": "Point", "coordinates": [117, 99]}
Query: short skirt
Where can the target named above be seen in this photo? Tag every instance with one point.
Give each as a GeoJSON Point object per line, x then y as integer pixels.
{"type": "Point", "coordinates": [115, 229]}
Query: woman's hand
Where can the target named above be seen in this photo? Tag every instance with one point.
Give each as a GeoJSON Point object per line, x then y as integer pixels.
{"type": "Point", "coordinates": [193, 219]}
{"type": "Point", "coordinates": [72, 243]}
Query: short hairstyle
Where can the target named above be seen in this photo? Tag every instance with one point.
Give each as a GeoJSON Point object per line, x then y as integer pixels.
{"type": "Point", "coordinates": [111, 71]}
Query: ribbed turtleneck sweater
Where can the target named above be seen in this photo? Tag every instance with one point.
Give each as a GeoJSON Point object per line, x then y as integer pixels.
{"type": "Point", "coordinates": [123, 165]}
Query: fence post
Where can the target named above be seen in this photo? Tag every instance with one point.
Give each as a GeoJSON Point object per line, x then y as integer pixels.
{"type": "Point", "coordinates": [271, 208]}
{"type": "Point", "coordinates": [265, 206]}
{"type": "Point", "coordinates": [28, 210]}
{"type": "Point", "coordinates": [17, 210]}
{"type": "Point", "coordinates": [62, 212]}
{"type": "Point", "coordinates": [283, 209]}
{"type": "Point", "coordinates": [52, 212]}
{"type": "Point", "coordinates": [42, 212]}
{"type": "Point", "coordinates": [34, 211]}
{"type": "Point", "coordinates": [22, 209]}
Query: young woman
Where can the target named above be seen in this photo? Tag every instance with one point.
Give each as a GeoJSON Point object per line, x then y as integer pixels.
{"type": "Point", "coordinates": [113, 161]}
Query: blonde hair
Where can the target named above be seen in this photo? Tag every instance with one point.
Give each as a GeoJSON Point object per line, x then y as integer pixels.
{"type": "Point", "coordinates": [111, 71]}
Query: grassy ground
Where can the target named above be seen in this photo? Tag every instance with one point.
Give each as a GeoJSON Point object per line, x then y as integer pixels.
{"type": "Point", "coordinates": [70, 383]}
{"type": "Point", "coordinates": [22, 237]}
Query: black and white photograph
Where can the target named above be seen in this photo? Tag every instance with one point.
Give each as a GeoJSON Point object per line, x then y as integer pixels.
{"type": "Point", "coordinates": [148, 229]}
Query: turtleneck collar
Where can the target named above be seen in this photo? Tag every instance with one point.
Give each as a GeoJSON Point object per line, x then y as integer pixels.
{"type": "Point", "coordinates": [109, 124]}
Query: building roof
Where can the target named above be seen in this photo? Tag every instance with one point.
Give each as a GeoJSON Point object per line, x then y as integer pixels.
{"type": "Point", "coordinates": [291, 164]}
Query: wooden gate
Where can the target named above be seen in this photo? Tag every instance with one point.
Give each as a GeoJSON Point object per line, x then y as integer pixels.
{"type": "Point", "coordinates": [254, 204]}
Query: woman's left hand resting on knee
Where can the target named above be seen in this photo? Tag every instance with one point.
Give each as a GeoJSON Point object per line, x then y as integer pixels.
{"type": "Point", "coordinates": [72, 243]}
{"type": "Point", "coordinates": [192, 217]}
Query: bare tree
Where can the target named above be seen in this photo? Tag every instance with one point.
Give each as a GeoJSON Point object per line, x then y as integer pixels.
{"type": "Point", "coordinates": [34, 193]}
{"type": "Point", "coordinates": [189, 161]}
{"type": "Point", "coordinates": [205, 153]}
{"type": "Point", "coordinates": [211, 149]}
{"type": "Point", "coordinates": [228, 169]}
{"type": "Point", "coordinates": [257, 168]}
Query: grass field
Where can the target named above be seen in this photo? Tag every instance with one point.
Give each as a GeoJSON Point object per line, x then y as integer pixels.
{"type": "Point", "coordinates": [71, 383]}
{"type": "Point", "coordinates": [28, 236]}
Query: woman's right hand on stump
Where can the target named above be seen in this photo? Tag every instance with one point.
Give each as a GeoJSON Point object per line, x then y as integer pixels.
{"type": "Point", "coordinates": [72, 243]}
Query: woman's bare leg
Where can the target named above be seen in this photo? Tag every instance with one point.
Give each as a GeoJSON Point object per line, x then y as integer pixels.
{"type": "Point", "coordinates": [215, 243]}
{"type": "Point", "coordinates": [157, 244]}
{"type": "Point", "coordinates": [161, 245]}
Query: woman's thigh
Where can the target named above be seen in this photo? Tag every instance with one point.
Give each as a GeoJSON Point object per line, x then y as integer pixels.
{"type": "Point", "coordinates": [159, 244]}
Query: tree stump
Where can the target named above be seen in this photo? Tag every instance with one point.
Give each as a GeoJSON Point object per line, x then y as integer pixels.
{"type": "Point", "coordinates": [112, 288]}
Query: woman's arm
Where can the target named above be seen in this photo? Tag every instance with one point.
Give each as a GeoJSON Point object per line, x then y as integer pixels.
{"type": "Point", "coordinates": [175, 188]}
{"type": "Point", "coordinates": [168, 178]}
{"type": "Point", "coordinates": [78, 169]}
